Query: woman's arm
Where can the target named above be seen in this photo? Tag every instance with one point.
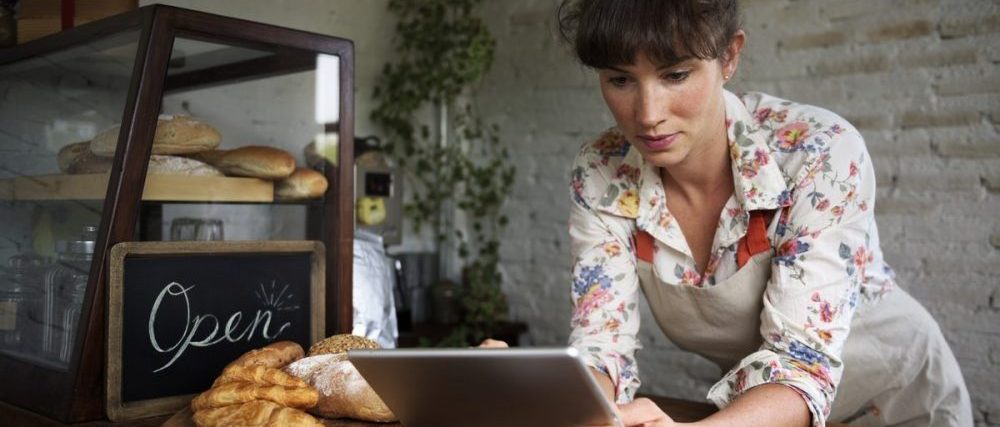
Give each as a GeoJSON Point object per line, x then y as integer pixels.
{"type": "Point", "coordinates": [767, 405]}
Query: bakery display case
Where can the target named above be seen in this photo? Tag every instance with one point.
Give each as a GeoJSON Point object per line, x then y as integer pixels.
{"type": "Point", "coordinates": [161, 124]}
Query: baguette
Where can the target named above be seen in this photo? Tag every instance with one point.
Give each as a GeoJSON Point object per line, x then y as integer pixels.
{"type": "Point", "coordinates": [302, 184]}
{"type": "Point", "coordinates": [253, 161]}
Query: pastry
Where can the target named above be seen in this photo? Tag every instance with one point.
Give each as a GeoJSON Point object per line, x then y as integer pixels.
{"type": "Point", "coordinates": [242, 392]}
{"type": "Point", "coordinates": [302, 184]}
{"type": "Point", "coordinates": [341, 343]}
{"type": "Point", "coordinates": [254, 161]}
{"type": "Point", "coordinates": [77, 158]}
{"type": "Point", "coordinates": [174, 135]}
{"type": "Point", "coordinates": [254, 413]}
{"type": "Point", "coordinates": [176, 165]}
{"type": "Point", "coordinates": [343, 392]}
{"type": "Point", "coordinates": [258, 375]}
{"type": "Point", "coordinates": [274, 355]}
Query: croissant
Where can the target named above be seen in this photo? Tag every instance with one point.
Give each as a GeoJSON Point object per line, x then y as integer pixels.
{"type": "Point", "coordinates": [274, 355]}
{"type": "Point", "coordinates": [242, 392]}
{"type": "Point", "coordinates": [253, 414]}
{"type": "Point", "coordinates": [261, 375]}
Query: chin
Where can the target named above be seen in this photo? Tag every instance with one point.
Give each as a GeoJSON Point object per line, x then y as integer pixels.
{"type": "Point", "coordinates": [662, 159]}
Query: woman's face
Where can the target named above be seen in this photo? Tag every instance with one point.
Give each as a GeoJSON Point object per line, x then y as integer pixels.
{"type": "Point", "coordinates": [671, 113]}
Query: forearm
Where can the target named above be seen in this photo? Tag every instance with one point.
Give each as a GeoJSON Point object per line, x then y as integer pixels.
{"type": "Point", "coordinates": [765, 405]}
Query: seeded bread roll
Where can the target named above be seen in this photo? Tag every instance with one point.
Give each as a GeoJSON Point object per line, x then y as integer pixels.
{"type": "Point", "coordinates": [174, 135]}
{"type": "Point", "coordinates": [253, 161]}
{"type": "Point", "coordinates": [341, 343]}
{"type": "Point", "coordinates": [302, 184]}
{"type": "Point", "coordinates": [77, 158]}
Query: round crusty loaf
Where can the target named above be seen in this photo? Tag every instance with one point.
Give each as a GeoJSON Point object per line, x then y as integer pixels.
{"type": "Point", "coordinates": [302, 184]}
{"type": "Point", "coordinates": [77, 158]}
{"type": "Point", "coordinates": [174, 135]}
{"type": "Point", "coordinates": [341, 343]}
{"type": "Point", "coordinates": [177, 165]}
{"type": "Point", "coordinates": [343, 392]}
{"type": "Point", "coordinates": [274, 355]}
{"type": "Point", "coordinates": [255, 161]}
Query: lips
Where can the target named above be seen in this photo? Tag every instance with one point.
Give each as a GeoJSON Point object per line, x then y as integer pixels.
{"type": "Point", "coordinates": [658, 142]}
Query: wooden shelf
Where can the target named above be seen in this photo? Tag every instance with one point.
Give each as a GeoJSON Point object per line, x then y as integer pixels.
{"type": "Point", "coordinates": [158, 188]}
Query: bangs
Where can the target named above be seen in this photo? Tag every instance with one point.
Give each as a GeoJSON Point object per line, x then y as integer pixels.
{"type": "Point", "coordinates": [609, 33]}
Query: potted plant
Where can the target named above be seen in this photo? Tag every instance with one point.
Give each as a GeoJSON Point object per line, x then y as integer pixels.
{"type": "Point", "coordinates": [442, 51]}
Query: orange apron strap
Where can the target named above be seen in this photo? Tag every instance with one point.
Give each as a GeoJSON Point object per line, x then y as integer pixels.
{"type": "Point", "coordinates": [755, 241]}
{"type": "Point", "coordinates": [644, 245]}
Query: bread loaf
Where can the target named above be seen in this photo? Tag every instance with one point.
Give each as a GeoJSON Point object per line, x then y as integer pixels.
{"type": "Point", "coordinates": [176, 165]}
{"type": "Point", "coordinates": [274, 355]}
{"type": "Point", "coordinates": [174, 135]}
{"type": "Point", "coordinates": [343, 392]}
{"type": "Point", "coordinates": [254, 413]}
{"type": "Point", "coordinates": [241, 392]}
{"type": "Point", "coordinates": [302, 184]}
{"type": "Point", "coordinates": [254, 161]}
{"type": "Point", "coordinates": [77, 158]}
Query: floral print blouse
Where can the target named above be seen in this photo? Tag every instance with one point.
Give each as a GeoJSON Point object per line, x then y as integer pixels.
{"type": "Point", "coordinates": [807, 164]}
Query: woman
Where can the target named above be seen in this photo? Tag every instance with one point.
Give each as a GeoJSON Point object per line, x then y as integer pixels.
{"type": "Point", "coordinates": [748, 224]}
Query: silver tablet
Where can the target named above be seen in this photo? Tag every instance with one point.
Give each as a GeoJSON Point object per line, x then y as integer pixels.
{"type": "Point", "coordinates": [548, 387]}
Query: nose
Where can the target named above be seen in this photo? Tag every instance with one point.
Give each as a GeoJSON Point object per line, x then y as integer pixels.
{"type": "Point", "coordinates": [650, 109]}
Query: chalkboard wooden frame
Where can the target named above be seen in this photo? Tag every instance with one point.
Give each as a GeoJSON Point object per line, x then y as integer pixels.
{"type": "Point", "coordinates": [117, 409]}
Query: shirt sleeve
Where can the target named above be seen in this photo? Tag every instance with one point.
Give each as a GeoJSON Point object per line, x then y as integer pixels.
{"type": "Point", "coordinates": [605, 319]}
{"type": "Point", "coordinates": [821, 252]}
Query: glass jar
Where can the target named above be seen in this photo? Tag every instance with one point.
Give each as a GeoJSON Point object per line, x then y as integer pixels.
{"type": "Point", "coordinates": [65, 285]}
{"type": "Point", "coordinates": [20, 295]}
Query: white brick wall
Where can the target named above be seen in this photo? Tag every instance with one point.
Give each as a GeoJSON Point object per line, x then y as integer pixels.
{"type": "Point", "coordinates": [918, 77]}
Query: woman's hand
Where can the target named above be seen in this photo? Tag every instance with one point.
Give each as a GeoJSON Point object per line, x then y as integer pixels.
{"type": "Point", "coordinates": [643, 412]}
{"type": "Point", "coordinates": [491, 343]}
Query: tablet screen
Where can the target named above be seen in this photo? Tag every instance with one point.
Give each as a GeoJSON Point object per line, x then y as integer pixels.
{"type": "Point", "coordinates": [485, 387]}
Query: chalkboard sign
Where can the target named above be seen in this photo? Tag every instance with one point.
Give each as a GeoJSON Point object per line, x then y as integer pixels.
{"type": "Point", "coordinates": [178, 312]}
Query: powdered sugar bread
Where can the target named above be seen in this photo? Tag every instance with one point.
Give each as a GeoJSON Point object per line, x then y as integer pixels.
{"type": "Point", "coordinates": [343, 392]}
{"type": "Point", "coordinates": [177, 165]}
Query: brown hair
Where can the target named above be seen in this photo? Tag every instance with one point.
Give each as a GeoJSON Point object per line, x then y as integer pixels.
{"type": "Point", "coordinates": [607, 33]}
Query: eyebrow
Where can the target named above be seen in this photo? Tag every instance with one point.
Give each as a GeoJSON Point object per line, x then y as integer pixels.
{"type": "Point", "coordinates": [660, 68]}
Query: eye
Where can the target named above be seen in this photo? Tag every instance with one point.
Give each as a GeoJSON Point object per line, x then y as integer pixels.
{"type": "Point", "coordinates": [618, 81]}
{"type": "Point", "coordinates": [676, 76]}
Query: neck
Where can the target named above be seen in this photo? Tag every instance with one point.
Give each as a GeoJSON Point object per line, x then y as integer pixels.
{"type": "Point", "coordinates": [704, 174]}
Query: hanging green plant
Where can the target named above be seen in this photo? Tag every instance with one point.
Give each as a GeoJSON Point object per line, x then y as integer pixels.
{"type": "Point", "coordinates": [442, 51]}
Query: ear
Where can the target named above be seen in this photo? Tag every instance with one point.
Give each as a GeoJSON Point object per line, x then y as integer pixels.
{"type": "Point", "coordinates": [732, 57]}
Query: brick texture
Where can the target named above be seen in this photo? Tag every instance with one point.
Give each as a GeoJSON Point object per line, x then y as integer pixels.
{"type": "Point", "coordinates": [917, 77]}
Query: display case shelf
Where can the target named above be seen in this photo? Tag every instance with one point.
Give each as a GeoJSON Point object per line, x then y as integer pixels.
{"type": "Point", "coordinates": [158, 188]}
{"type": "Point", "coordinates": [256, 84]}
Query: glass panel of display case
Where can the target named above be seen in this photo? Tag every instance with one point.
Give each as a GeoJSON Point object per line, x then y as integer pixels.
{"type": "Point", "coordinates": [242, 144]}
{"type": "Point", "coordinates": [52, 188]}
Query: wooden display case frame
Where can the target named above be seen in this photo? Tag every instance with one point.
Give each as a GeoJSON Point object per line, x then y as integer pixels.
{"type": "Point", "coordinates": [78, 395]}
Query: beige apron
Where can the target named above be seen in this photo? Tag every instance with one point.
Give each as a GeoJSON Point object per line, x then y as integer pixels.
{"type": "Point", "coordinates": [898, 369]}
